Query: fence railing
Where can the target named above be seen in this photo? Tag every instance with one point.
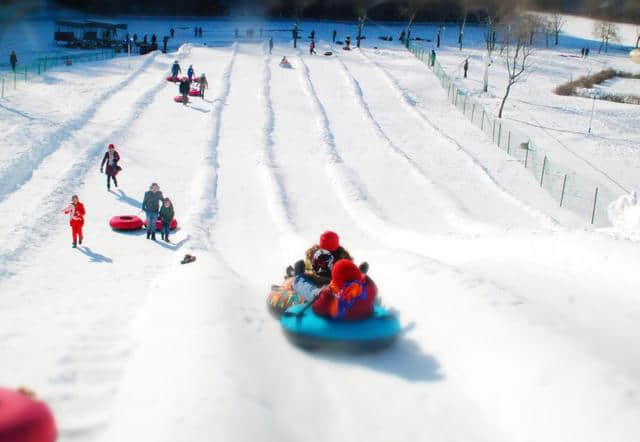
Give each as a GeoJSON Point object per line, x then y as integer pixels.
{"type": "Point", "coordinates": [582, 195]}
{"type": "Point", "coordinates": [11, 80]}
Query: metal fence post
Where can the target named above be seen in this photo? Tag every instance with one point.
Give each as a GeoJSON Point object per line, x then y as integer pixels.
{"type": "Point", "coordinates": [564, 185]}
{"type": "Point", "coordinates": [499, 133]}
{"type": "Point", "coordinates": [493, 132]}
{"type": "Point", "coordinates": [544, 165]}
{"type": "Point", "coordinates": [473, 111]}
{"type": "Point", "coordinates": [526, 155]}
{"type": "Point", "coordinates": [509, 143]}
{"type": "Point", "coordinates": [595, 201]}
{"type": "Point", "coordinates": [482, 123]}
{"type": "Point", "coordinates": [464, 106]}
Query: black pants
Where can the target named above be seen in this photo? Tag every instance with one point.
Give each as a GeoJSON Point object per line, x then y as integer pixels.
{"type": "Point", "coordinates": [109, 181]}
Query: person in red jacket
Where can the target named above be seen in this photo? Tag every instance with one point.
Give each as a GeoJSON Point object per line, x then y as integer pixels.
{"type": "Point", "coordinates": [76, 213]}
{"type": "Point", "coordinates": [350, 295]}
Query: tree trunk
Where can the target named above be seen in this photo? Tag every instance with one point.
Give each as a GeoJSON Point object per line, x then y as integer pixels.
{"type": "Point", "coordinates": [461, 33]}
{"type": "Point", "coordinates": [638, 41]}
{"type": "Point", "coordinates": [504, 99]}
{"type": "Point", "coordinates": [557, 33]}
{"type": "Point", "coordinates": [359, 31]}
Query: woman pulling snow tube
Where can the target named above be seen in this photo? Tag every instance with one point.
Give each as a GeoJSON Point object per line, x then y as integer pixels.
{"type": "Point", "coordinates": [126, 222]}
{"type": "Point", "coordinates": [343, 315]}
{"type": "Point", "coordinates": [23, 418]}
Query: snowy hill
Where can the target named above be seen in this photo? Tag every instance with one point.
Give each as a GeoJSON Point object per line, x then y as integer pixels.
{"type": "Point", "coordinates": [520, 321]}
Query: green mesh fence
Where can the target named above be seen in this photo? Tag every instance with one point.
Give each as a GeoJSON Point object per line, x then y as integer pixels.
{"type": "Point", "coordinates": [579, 194]}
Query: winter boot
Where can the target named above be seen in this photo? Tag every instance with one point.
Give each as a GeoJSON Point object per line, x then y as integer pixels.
{"type": "Point", "coordinates": [148, 234]}
{"type": "Point", "coordinates": [166, 238]}
{"type": "Point", "coordinates": [73, 245]}
{"type": "Point", "coordinates": [153, 236]}
{"type": "Point", "coordinates": [80, 240]}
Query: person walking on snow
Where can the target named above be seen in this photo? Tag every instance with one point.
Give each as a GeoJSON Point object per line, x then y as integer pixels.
{"type": "Point", "coordinates": [175, 69]}
{"type": "Point", "coordinates": [151, 207]}
{"type": "Point", "coordinates": [270, 45]}
{"type": "Point", "coordinates": [183, 88]}
{"type": "Point", "coordinates": [465, 67]}
{"type": "Point", "coordinates": [335, 33]}
{"type": "Point", "coordinates": [13, 59]}
{"type": "Point", "coordinates": [190, 73]}
{"type": "Point", "coordinates": [111, 158]}
{"type": "Point", "coordinates": [172, 32]}
{"type": "Point", "coordinates": [76, 213]}
{"type": "Point", "coordinates": [312, 48]}
{"type": "Point", "coordinates": [166, 216]}
{"type": "Point", "coordinates": [204, 84]}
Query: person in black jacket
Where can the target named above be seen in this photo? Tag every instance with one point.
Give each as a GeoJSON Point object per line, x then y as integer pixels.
{"type": "Point", "coordinates": [184, 87]}
{"type": "Point", "coordinates": [13, 59]}
{"type": "Point", "coordinates": [111, 158]}
{"type": "Point", "coordinates": [151, 207]}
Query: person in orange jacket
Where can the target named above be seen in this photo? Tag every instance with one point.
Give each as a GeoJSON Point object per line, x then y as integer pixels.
{"type": "Point", "coordinates": [76, 213]}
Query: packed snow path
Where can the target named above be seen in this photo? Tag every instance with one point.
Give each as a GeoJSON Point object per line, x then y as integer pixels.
{"type": "Point", "coordinates": [519, 327]}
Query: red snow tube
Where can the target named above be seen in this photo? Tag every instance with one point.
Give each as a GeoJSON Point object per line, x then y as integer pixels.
{"type": "Point", "coordinates": [126, 222]}
{"type": "Point", "coordinates": [196, 79]}
{"type": "Point", "coordinates": [173, 225]}
{"type": "Point", "coordinates": [194, 92]}
{"type": "Point", "coordinates": [23, 419]}
{"type": "Point", "coordinates": [178, 98]}
{"type": "Point", "coordinates": [172, 78]}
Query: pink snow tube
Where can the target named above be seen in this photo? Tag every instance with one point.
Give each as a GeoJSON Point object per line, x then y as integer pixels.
{"type": "Point", "coordinates": [23, 419]}
{"type": "Point", "coordinates": [173, 225]}
{"type": "Point", "coordinates": [172, 78]}
{"type": "Point", "coordinates": [126, 222]}
{"type": "Point", "coordinates": [194, 92]}
{"type": "Point", "coordinates": [178, 98]}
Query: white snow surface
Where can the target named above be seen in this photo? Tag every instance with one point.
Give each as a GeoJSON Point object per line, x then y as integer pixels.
{"type": "Point", "coordinates": [624, 214]}
{"type": "Point", "coordinates": [520, 322]}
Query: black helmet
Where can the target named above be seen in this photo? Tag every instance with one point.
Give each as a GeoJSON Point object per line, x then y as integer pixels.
{"type": "Point", "coordinates": [322, 262]}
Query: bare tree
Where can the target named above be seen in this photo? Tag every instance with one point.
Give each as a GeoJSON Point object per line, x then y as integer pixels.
{"type": "Point", "coordinates": [607, 32]}
{"type": "Point", "coordinates": [495, 11]}
{"type": "Point", "coordinates": [637, 37]}
{"type": "Point", "coordinates": [518, 50]}
{"type": "Point", "coordinates": [410, 9]}
{"type": "Point", "coordinates": [557, 22]}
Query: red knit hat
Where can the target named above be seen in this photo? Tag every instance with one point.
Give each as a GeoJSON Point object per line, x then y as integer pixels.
{"type": "Point", "coordinates": [329, 241]}
{"type": "Point", "coordinates": [345, 271]}
{"type": "Point", "coordinates": [111, 146]}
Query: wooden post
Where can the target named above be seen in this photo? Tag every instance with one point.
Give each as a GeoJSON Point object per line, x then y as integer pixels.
{"type": "Point", "coordinates": [564, 185]}
{"type": "Point", "coordinates": [595, 202]}
{"type": "Point", "coordinates": [544, 165]}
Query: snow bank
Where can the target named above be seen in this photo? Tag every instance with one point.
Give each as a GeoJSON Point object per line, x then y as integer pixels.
{"type": "Point", "coordinates": [624, 214]}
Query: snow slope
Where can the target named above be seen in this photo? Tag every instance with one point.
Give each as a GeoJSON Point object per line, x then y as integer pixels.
{"type": "Point", "coordinates": [519, 323]}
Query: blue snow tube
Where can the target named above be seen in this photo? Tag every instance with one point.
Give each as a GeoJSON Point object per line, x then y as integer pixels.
{"type": "Point", "coordinates": [310, 331]}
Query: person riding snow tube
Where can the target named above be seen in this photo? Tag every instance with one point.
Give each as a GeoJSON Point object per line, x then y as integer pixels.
{"type": "Point", "coordinates": [328, 241]}
{"type": "Point", "coordinates": [23, 418]}
{"type": "Point", "coordinates": [344, 316]}
{"type": "Point", "coordinates": [304, 286]}
{"type": "Point", "coordinates": [284, 63]}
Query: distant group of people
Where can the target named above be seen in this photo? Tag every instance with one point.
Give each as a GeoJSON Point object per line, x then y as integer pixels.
{"type": "Point", "coordinates": [184, 86]}
{"type": "Point", "coordinates": [584, 52]}
{"type": "Point", "coordinates": [198, 31]}
{"type": "Point", "coordinates": [154, 204]}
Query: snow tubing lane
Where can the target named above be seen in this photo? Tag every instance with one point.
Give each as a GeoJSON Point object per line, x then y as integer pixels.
{"type": "Point", "coordinates": [173, 225]}
{"type": "Point", "coordinates": [194, 92]}
{"type": "Point", "coordinates": [311, 331]}
{"type": "Point", "coordinates": [126, 222]}
{"type": "Point", "coordinates": [23, 419]}
{"type": "Point", "coordinates": [281, 297]}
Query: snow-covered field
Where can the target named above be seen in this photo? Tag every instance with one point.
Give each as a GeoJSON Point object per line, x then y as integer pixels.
{"type": "Point", "coordinates": [520, 321]}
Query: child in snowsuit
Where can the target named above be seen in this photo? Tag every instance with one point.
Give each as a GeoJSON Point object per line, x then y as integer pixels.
{"type": "Point", "coordinates": [308, 284]}
{"type": "Point", "coordinates": [76, 213]}
{"type": "Point", "coordinates": [204, 84]}
{"type": "Point", "coordinates": [350, 295]}
{"type": "Point", "coordinates": [190, 73]}
{"type": "Point", "coordinates": [111, 158]}
{"type": "Point", "coordinates": [166, 216]}
{"type": "Point", "coordinates": [184, 87]}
